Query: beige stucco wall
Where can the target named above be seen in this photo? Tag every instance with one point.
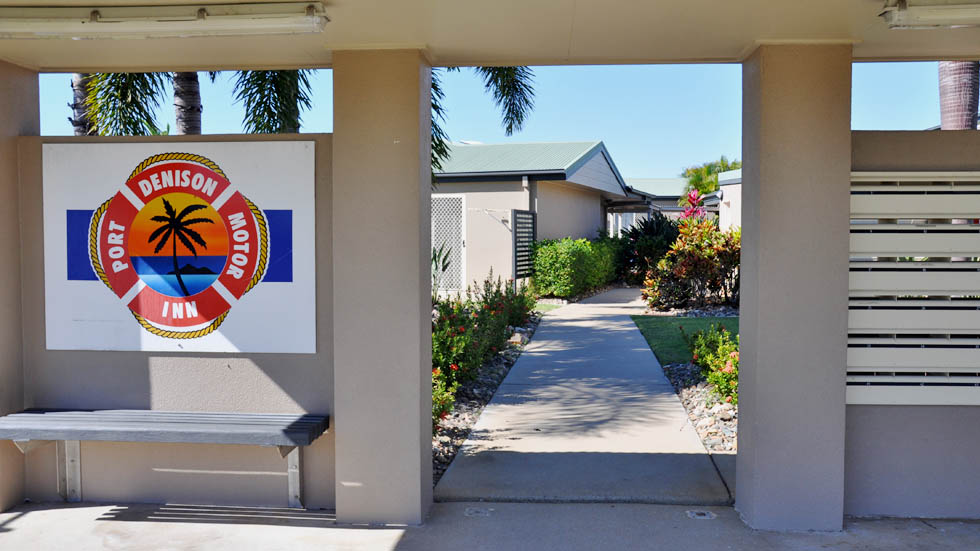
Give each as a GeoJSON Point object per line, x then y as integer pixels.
{"type": "Point", "coordinates": [168, 381]}
{"type": "Point", "coordinates": [489, 228]}
{"type": "Point", "coordinates": [796, 141]}
{"type": "Point", "coordinates": [568, 211]}
{"type": "Point", "coordinates": [382, 286]}
{"type": "Point", "coordinates": [913, 461]}
{"type": "Point", "coordinates": [19, 116]}
{"type": "Point", "coordinates": [730, 208]}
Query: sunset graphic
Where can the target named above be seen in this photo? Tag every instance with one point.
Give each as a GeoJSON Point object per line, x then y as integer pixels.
{"type": "Point", "coordinates": [178, 244]}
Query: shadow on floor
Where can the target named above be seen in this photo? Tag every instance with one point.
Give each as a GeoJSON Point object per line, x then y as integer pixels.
{"type": "Point", "coordinates": [583, 477]}
{"type": "Point", "coordinates": [220, 514]}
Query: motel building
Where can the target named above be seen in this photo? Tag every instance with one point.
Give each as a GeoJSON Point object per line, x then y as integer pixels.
{"type": "Point", "coordinates": [860, 382]}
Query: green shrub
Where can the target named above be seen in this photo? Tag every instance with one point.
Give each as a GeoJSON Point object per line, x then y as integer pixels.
{"type": "Point", "coordinates": [570, 267]}
{"type": "Point", "coordinates": [468, 332]}
{"type": "Point", "coordinates": [714, 351]}
{"type": "Point", "coordinates": [643, 245]}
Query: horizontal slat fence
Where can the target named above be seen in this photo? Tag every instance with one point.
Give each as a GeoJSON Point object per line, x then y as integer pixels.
{"type": "Point", "coordinates": [914, 308]}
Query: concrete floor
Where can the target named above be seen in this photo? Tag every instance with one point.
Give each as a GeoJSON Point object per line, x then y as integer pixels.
{"type": "Point", "coordinates": [586, 415]}
{"type": "Point", "coordinates": [470, 526]}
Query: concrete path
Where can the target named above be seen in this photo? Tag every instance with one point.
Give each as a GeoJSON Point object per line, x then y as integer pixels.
{"type": "Point", "coordinates": [451, 526]}
{"type": "Point", "coordinates": [585, 415]}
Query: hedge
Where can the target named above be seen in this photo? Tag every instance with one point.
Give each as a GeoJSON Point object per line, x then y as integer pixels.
{"type": "Point", "coordinates": [570, 267]}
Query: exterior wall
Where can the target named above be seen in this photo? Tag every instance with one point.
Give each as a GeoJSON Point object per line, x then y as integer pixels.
{"type": "Point", "coordinates": [913, 461]}
{"type": "Point", "coordinates": [597, 173]}
{"type": "Point", "coordinates": [19, 116]}
{"type": "Point", "coordinates": [382, 286]}
{"type": "Point", "coordinates": [567, 211]}
{"type": "Point", "coordinates": [489, 229]}
{"type": "Point", "coordinates": [790, 465]}
{"type": "Point", "coordinates": [196, 473]}
{"type": "Point", "coordinates": [730, 209]}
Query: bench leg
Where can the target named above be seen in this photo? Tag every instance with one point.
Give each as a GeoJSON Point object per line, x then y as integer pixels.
{"type": "Point", "coordinates": [294, 474]}
{"type": "Point", "coordinates": [69, 462]}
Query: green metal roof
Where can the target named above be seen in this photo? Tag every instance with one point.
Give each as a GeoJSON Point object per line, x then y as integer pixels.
{"type": "Point", "coordinates": [510, 158]}
{"type": "Point", "coordinates": [663, 187]}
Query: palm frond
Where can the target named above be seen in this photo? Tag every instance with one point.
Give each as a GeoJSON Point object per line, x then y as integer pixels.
{"type": "Point", "coordinates": [189, 209]}
{"type": "Point", "coordinates": [163, 239]}
{"type": "Point", "coordinates": [273, 100]}
{"type": "Point", "coordinates": [512, 91]}
{"type": "Point", "coordinates": [179, 232]}
{"type": "Point", "coordinates": [197, 221]}
{"type": "Point", "coordinates": [124, 104]}
{"type": "Point", "coordinates": [195, 236]}
{"type": "Point", "coordinates": [169, 208]}
{"type": "Point", "coordinates": [439, 150]}
{"type": "Point", "coordinates": [156, 233]}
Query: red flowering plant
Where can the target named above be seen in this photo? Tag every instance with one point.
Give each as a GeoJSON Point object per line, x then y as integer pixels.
{"type": "Point", "coordinates": [716, 353]}
{"type": "Point", "coordinates": [694, 207]}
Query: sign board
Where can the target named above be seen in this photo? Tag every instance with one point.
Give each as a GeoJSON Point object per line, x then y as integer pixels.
{"type": "Point", "coordinates": [180, 246]}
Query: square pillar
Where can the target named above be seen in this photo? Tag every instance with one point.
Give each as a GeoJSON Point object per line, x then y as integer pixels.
{"type": "Point", "coordinates": [796, 144]}
{"type": "Point", "coordinates": [382, 301]}
{"type": "Point", "coordinates": [19, 116]}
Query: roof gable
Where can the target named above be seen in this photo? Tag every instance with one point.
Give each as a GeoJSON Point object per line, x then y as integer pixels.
{"type": "Point", "coordinates": [515, 158]}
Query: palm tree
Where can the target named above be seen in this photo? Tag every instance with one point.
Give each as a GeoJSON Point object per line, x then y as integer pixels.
{"type": "Point", "coordinates": [959, 92]}
{"type": "Point", "coordinates": [512, 89]}
{"type": "Point", "coordinates": [187, 103]}
{"type": "Point", "coordinates": [704, 178]}
{"type": "Point", "coordinates": [175, 226]}
{"type": "Point", "coordinates": [79, 91]}
{"type": "Point", "coordinates": [273, 100]}
{"type": "Point", "coordinates": [124, 104]}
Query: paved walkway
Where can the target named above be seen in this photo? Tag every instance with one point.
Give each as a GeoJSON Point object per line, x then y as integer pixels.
{"type": "Point", "coordinates": [586, 415]}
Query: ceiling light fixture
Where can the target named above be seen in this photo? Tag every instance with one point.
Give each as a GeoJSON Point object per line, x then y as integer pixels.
{"type": "Point", "coordinates": [162, 21]}
{"type": "Point", "coordinates": [923, 14]}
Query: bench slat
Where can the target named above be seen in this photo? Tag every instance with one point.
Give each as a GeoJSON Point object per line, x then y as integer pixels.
{"type": "Point", "coordinates": [165, 426]}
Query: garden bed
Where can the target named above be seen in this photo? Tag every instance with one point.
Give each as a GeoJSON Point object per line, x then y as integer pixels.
{"type": "Point", "coordinates": [716, 422]}
{"type": "Point", "coordinates": [472, 397]}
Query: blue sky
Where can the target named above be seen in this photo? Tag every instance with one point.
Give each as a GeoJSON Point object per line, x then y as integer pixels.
{"type": "Point", "coordinates": [655, 119]}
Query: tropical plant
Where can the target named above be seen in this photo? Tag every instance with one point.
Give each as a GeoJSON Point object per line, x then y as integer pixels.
{"type": "Point", "coordinates": [174, 226]}
{"type": "Point", "coordinates": [717, 354]}
{"type": "Point", "coordinates": [187, 102]}
{"type": "Point", "coordinates": [695, 205]}
{"type": "Point", "coordinates": [512, 91]}
{"type": "Point", "coordinates": [959, 92]}
{"type": "Point", "coordinates": [273, 100]}
{"type": "Point", "coordinates": [123, 104]}
{"type": "Point", "coordinates": [440, 265]}
{"type": "Point", "coordinates": [701, 265]}
{"type": "Point", "coordinates": [644, 244]}
{"type": "Point", "coordinates": [704, 177]}
{"type": "Point", "coordinates": [79, 118]}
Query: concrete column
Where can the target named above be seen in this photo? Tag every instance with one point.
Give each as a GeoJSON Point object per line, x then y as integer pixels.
{"type": "Point", "coordinates": [19, 116]}
{"type": "Point", "coordinates": [382, 308]}
{"type": "Point", "coordinates": [796, 144]}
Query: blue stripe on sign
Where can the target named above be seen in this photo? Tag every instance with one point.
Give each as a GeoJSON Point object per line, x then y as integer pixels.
{"type": "Point", "coordinates": [79, 267]}
{"type": "Point", "coordinates": [279, 269]}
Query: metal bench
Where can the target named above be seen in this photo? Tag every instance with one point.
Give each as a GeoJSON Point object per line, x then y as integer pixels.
{"type": "Point", "coordinates": [36, 427]}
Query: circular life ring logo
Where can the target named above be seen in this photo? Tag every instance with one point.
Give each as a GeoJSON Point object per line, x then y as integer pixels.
{"type": "Point", "coordinates": [179, 245]}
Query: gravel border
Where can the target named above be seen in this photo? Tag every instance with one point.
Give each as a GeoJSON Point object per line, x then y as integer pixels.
{"type": "Point", "coordinates": [715, 422]}
{"type": "Point", "coordinates": [471, 397]}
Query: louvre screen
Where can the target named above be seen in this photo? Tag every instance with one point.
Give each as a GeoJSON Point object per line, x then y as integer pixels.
{"type": "Point", "coordinates": [914, 289]}
{"type": "Point", "coordinates": [525, 232]}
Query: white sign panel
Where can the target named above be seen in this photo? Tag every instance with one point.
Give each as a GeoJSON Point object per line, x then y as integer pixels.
{"type": "Point", "coordinates": [180, 246]}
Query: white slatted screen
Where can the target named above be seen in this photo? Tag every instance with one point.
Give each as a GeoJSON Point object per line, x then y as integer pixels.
{"type": "Point", "coordinates": [448, 231]}
{"type": "Point", "coordinates": [914, 310]}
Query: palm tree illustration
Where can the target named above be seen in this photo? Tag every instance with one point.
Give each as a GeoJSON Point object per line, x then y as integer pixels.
{"type": "Point", "coordinates": [176, 226]}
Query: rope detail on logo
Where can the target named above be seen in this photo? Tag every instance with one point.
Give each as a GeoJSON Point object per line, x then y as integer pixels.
{"type": "Point", "coordinates": [93, 246]}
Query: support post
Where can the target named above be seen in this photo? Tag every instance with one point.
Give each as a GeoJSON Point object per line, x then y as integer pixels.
{"type": "Point", "coordinates": [19, 116]}
{"type": "Point", "coordinates": [796, 143]}
{"type": "Point", "coordinates": [294, 475]}
{"type": "Point", "coordinates": [69, 465]}
{"type": "Point", "coordinates": [382, 296]}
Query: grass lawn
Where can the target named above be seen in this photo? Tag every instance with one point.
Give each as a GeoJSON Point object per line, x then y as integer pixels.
{"type": "Point", "coordinates": [545, 308]}
{"type": "Point", "coordinates": [664, 336]}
